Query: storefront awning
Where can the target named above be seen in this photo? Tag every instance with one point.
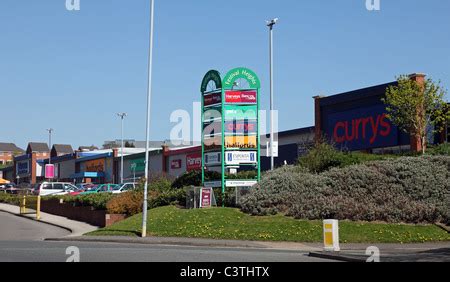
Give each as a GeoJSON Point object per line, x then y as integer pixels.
{"type": "Point", "coordinates": [4, 181]}
{"type": "Point", "coordinates": [87, 175]}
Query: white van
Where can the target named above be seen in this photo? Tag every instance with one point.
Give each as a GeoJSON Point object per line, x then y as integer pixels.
{"type": "Point", "coordinates": [54, 188]}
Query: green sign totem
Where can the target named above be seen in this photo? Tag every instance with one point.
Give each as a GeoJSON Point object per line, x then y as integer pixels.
{"type": "Point", "coordinates": [230, 123]}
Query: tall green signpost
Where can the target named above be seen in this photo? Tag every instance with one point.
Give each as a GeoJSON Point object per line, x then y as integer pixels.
{"type": "Point", "coordinates": [230, 127]}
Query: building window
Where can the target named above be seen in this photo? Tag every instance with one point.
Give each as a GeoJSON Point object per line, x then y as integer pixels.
{"type": "Point", "coordinates": [2, 162]}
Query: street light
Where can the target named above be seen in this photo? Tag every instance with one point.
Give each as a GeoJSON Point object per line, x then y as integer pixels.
{"type": "Point", "coordinates": [122, 116]}
{"type": "Point", "coordinates": [147, 129]}
{"type": "Point", "coordinates": [270, 24]}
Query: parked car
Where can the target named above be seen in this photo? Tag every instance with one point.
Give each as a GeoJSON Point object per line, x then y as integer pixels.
{"type": "Point", "coordinates": [54, 188]}
{"type": "Point", "coordinates": [102, 188]}
{"type": "Point", "coordinates": [10, 188]}
{"type": "Point", "coordinates": [125, 187]}
{"type": "Point", "coordinates": [82, 188]}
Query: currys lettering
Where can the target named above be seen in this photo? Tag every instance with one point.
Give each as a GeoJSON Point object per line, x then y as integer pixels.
{"type": "Point", "coordinates": [366, 128]}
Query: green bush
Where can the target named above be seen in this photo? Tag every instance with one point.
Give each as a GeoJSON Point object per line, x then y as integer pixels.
{"type": "Point", "coordinates": [442, 150]}
{"type": "Point", "coordinates": [407, 189]}
{"type": "Point", "coordinates": [9, 199]}
{"type": "Point", "coordinates": [160, 193]}
{"type": "Point", "coordinates": [324, 157]}
{"type": "Point", "coordinates": [194, 178]}
{"type": "Point", "coordinates": [97, 201]}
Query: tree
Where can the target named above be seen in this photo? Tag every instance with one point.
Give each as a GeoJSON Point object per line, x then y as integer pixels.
{"type": "Point", "coordinates": [417, 108]}
{"type": "Point", "coordinates": [129, 145]}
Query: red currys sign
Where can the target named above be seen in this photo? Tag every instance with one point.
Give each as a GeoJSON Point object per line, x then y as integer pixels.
{"type": "Point", "coordinates": [194, 162]}
{"type": "Point", "coordinates": [241, 97]}
{"type": "Point", "coordinates": [369, 128]}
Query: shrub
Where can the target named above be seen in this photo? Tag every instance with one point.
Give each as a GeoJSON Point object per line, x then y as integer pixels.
{"type": "Point", "coordinates": [323, 157]}
{"type": "Point", "coordinates": [129, 203]}
{"type": "Point", "coordinates": [160, 193]}
{"type": "Point", "coordinates": [407, 189]}
{"type": "Point", "coordinates": [97, 201]}
{"type": "Point", "coordinates": [194, 178]}
{"type": "Point", "coordinates": [442, 150]}
{"type": "Point", "coordinates": [9, 199]}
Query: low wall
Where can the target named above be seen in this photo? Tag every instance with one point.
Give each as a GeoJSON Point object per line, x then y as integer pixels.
{"type": "Point", "coordinates": [84, 214]}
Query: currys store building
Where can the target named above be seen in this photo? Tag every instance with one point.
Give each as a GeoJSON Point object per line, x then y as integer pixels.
{"type": "Point", "coordinates": [357, 121]}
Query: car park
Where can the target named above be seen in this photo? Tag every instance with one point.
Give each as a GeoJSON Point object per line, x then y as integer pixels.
{"type": "Point", "coordinates": [125, 187]}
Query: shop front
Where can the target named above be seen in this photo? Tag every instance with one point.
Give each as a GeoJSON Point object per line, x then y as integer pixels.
{"type": "Point", "coordinates": [134, 165]}
{"type": "Point", "coordinates": [96, 169]}
{"type": "Point", "coordinates": [28, 169]}
{"type": "Point", "coordinates": [357, 121]}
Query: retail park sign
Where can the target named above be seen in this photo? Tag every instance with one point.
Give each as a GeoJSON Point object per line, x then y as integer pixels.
{"type": "Point", "coordinates": [235, 74]}
{"type": "Point", "coordinates": [240, 157]}
{"type": "Point", "coordinates": [230, 126]}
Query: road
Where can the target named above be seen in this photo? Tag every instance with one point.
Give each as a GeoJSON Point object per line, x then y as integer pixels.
{"type": "Point", "coordinates": [22, 240]}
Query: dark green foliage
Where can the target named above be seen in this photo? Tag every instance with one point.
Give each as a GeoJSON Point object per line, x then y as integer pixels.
{"type": "Point", "coordinates": [9, 199]}
{"type": "Point", "coordinates": [97, 201]}
{"type": "Point", "coordinates": [440, 150]}
{"type": "Point", "coordinates": [323, 156]}
{"type": "Point", "coordinates": [407, 189]}
{"type": "Point", "coordinates": [194, 178]}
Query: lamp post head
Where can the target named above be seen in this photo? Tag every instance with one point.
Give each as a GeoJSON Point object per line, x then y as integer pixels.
{"type": "Point", "coordinates": [122, 115]}
{"type": "Point", "coordinates": [271, 23]}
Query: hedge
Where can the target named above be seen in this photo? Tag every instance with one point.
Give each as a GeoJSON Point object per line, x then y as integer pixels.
{"type": "Point", "coordinates": [406, 189]}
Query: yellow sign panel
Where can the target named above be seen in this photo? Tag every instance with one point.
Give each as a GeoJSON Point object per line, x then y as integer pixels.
{"type": "Point", "coordinates": [240, 142]}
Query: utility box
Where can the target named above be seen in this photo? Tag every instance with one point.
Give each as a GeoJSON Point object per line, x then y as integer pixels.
{"type": "Point", "coordinates": [331, 235]}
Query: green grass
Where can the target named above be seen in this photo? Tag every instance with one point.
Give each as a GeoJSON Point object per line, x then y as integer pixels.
{"type": "Point", "coordinates": [226, 223]}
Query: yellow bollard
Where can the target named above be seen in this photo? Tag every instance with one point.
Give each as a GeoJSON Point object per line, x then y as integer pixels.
{"type": "Point", "coordinates": [38, 208]}
{"type": "Point", "coordinates": [24, 204]}
{"type": "Point", "coordinates": [331, 235]}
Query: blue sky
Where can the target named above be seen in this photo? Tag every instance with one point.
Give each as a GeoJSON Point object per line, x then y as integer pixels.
{"type": "Point", "coordinates": [73, 71]}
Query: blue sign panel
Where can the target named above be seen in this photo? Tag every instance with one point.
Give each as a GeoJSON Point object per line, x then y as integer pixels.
{"type": "Point", "coordinates": [362, 128]}
{"type": "Point", "coordinates": [23, 167]}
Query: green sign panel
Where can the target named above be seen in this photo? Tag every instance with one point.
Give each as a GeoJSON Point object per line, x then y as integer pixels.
{"type": "Point", "coordinates": [233, 112]}
{"type": "Point", "coordinates": [211, 76]}
{"type": "Point", "coordinates": [244, 73]}
{"type": "Point", "coordinates": [137, 165]}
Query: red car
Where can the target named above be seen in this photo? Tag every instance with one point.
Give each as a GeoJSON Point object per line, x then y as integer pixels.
{"type": "Point", "coordinates": [83, 188]}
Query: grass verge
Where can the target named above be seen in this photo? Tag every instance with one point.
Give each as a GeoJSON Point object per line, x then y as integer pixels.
{"type": "Point", "coordinates": [226, 223]}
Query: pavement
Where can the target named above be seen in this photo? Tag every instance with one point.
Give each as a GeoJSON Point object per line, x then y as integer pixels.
{"type": "Point", "coordinates": [76, 228]}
